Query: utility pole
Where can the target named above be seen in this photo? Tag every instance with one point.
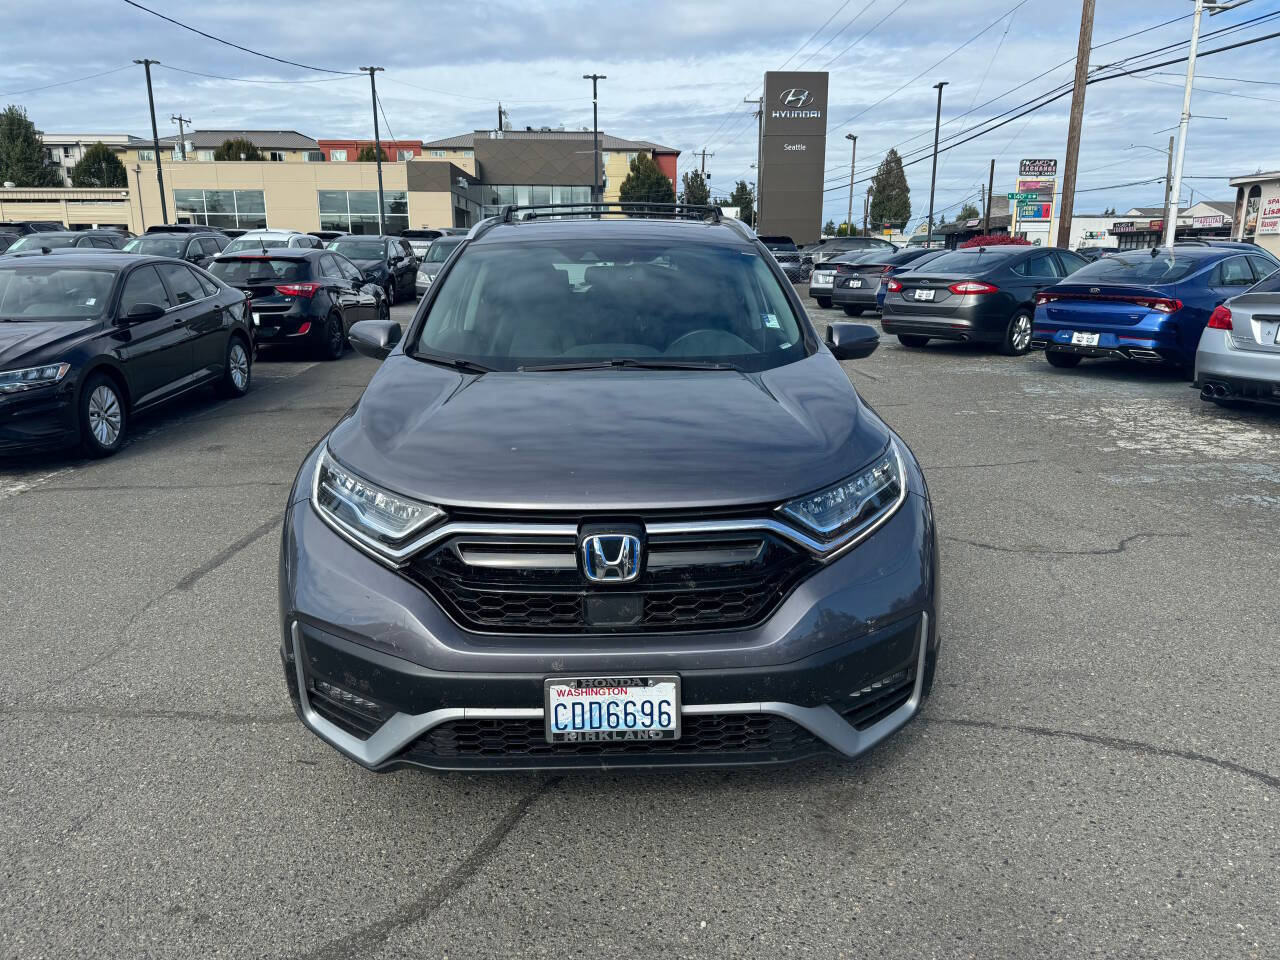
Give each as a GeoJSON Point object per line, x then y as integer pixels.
{"type": "Point", "coordinates": [759, 164]}
{"type": "Point", "coordinates": [991, 182]}
{"type": "Point", "coordinates": [1171, 222]}
{"type": "Point", "coordinates": [1074, 124]}
{"type": "Point", "coordinates": [703, 154]}
{"type": "Point", "coordinates": [180, 120]}
{"type": "Point", "coordinates": [598, 193]}
{"type": "Point", "coordinates": [866, 211]}
{"type": "Point", "coordinates": [1168, 186]}
{"type": "Point", "coordinates": [155, 143]}
{"type": "Point", "coordinates": [377, 140]}
{"type": "Point", "coordinates": [142, 213]}
{"type": "Point", "coordinates": [933, 177]}
{"type": "Point", "coordinates": [853, 159]}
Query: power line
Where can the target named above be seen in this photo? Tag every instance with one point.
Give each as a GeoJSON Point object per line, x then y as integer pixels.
{"type": "Point", "coordinates": [1220, 93]}
{"type": "Point", "coordinates": [464, 96]}
{"type": "Point", "coordinates": [1205, 76]}
{"type": "Point", "coordinates": [63, 83]}
{"type": "Point", "coordinates": [383, 111]}
{"type": "Point", "coordinates": [814, 34]}
{"type": "Point", "coordinates": [210, 36]}
{"type": "Point", "coordinates": [214, 76]}
{"type": "Point", "coordinates": [864, 36]}
{"type": "Point", "coordinates": [850, 22]}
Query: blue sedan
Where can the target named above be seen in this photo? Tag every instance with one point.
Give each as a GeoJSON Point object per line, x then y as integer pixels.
{"type": "Point", "coordinates": [1147, 305]}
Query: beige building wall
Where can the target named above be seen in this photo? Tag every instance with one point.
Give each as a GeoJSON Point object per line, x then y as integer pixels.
{"type": "Point", "coordinates": [430, 209]}
{"type": "Point", "coordinates": [70, 205]}
{"type": "Point", "coordinates": [463, 157]}
{"type": "Point", "coordinates": [168, 152]}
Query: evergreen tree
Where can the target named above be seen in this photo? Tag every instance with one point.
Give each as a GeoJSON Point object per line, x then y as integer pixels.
{"type": "Point", "coordinates": [696, 193]}
{"type": "Point", "coordinates": [829, 228]}
{"type": "Point", "coordinates": [368, 155]}
{"type": "Point", "coordinates": [22, 157]}
{"type": "Point", "coordinates": [233, 148]}
{"type": "Point", "coordinates": [891, 197]}
{"type": "Point", "coordinates": [744, 198]}
{"type": "Point", "coordinates": [99, 167]}
{"type": "Point", "coordinates": [646, 183]}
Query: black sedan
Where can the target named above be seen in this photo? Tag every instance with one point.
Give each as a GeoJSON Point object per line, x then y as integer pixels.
{"type": "Point", "coordinates": [855, 284]}
{"type": "Point", "coordinates": [303, 296]}
{"type": "Point", "coordinates": [194, 246]}
{"type": "Point", "coordinates": [69, 239]}
{"type": "Point", "coordinates": [983, 294]}
{"type": "Point", "coordinates": [88, 340]}
{"type": "Point", "coordinates": [387, 261]}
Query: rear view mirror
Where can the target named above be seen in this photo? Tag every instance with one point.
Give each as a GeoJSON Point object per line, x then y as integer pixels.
{"type": "Point", "coordinates": [142, 312]}
{"type": "Point", "coordinates": [374, 338]}
{"type": "Point", "coordinates": [852, 341]}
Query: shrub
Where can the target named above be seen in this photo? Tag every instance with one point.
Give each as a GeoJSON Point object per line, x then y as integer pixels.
{"type": "Point", "coordinates": [996, 240]}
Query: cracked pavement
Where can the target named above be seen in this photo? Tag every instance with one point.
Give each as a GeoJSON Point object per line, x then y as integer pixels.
{"type": "Point", "coordinates": [1097, 772]}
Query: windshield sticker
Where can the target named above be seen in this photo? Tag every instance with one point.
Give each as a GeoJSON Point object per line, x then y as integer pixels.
{"type": "Point", "coordinates": [771, 321]}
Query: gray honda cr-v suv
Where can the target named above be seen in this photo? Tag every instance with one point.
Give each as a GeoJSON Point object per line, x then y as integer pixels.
{"type": "Point", "coordinates": [609, 501]}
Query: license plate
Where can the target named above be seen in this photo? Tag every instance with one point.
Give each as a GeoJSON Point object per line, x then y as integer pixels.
{"type": "Point", "coordinates": [855, 282]}
{"type": "Point", "coordinates": [611, 709]}
{"type": "Point", "coordinates": [925, 294]}
{"type": "Point", "coordinates": [1085, 339]}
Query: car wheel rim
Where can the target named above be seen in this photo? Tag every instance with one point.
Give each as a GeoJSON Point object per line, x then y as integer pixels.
{"type": "Point", "coordinates": [105, 415]}
{"type": "Point", "coordinates": [335, 333]}
{"type": "Point", "coordinates": [239, 365]}
{"type": "Point", "coordinates": [1021, 331]}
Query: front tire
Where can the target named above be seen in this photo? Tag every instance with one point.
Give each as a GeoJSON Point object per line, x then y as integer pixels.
{"type": "Point", "coordinates": [238, 370]}
{"type": "Point", "coordinates": [1064, 361]}
{"type": "Point", "coordinates": [912, 340]}
{"type": "Point", "coordinates": [852, 311]}
{"type": "Point", "coordinates": [390, 290]}
{"type": "Point", "coordinates": [1017, 337]}
{"type": "Point", "coordinates": [103, 417]}
{"type": "Point", "coordinates": [824, 302]}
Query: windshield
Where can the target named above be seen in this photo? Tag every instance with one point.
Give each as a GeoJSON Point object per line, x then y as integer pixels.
{"type": "Point", "coordinates": [358, 249]}
{"type": "Point", "coordinates": [238, 271]}
{"type": "Point", "coordinates": [42, 291]}
{"type": "Point", "coordinates": [254, 243]}
{"type": "Point", "coordinates": [157, 246]}
{"type": "Point", "coordinates": [972, 261]}
{"type": "Point", "coordinates": [779, 243]}
{"type": "Point", "coordinates": [511, 305]}
{"type": "Point", "coordinates": [34, 241]}
{"type": "Point", "coordinates": [440, 250]}
{"type": "Point", "coordinates": [419, 247]}
{"type": "Point", "coordinates": [1138, 267]}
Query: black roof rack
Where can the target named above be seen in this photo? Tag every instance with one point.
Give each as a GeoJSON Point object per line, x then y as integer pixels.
{"type": "Point", "coordinates": [513, 213]}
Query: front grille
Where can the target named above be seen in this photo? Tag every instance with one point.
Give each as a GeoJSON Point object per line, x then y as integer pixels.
{"type": "Point", "coordinates": [687, 583]}
{"type": "Point", "coordinates": [710, 735]}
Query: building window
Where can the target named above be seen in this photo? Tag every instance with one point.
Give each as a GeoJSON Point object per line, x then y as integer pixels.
{"type": "Point", "coordinates": [338, 156]}
{"type": "Point", "coordinates": [469, 154]}
{"type": "Point", "coordinates": [356, 211]}
{"type": "Point", "coordinates": [204, 156]}
{"type": "Point", "coordinates": [404, 155]}
{"type": "Point", "coordinates": [631, 157]}
{"type": "Point", "coordinates": [276, 156]}
{"type": "Point", "coordinates": [437, 153]}
{"type": "Point", "coordinates": [66, 151]}
{"type": "Point", "coordinates": [239, 209]}
{"type": "Point", "coordinates": [313, 156]}
{"type": "Point", "coordinates": [146, 154]}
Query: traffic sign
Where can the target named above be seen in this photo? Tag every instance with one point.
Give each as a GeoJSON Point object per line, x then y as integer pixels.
{"type": "Point", "coordinates": [1024, 196]}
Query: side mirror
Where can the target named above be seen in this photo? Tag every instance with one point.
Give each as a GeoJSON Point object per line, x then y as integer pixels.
{"type": "Point", "coordinates": [374, 338]}
{"type": "Point", "coordinates": [142, 312]}
{"type": "Point", "coordinates": [852, 341]}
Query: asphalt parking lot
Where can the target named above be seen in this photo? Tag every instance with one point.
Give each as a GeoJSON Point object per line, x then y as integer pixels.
{"type": "Point", "coordinates": [1097, 772]}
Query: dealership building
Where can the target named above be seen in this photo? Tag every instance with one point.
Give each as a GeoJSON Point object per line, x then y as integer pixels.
{"type": "Point", "coordinates": [305, 184]}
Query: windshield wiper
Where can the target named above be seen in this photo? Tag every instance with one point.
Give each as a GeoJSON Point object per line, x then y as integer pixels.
{"type": "Point", "coordinates": [457, 363]}
{"type": "Point", "coordinates": [633, 363]}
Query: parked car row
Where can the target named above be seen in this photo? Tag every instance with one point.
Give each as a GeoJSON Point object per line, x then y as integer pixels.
{"type": "Point", "coordinates": [1209, 309]}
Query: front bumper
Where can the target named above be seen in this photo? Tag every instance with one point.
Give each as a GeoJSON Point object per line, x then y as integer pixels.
{"type": "Point", "coordinates": [44, 418]}
{"type": "Point", "coordinates": [862, 628]}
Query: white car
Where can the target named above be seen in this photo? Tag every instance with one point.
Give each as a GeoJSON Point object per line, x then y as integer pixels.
{"type": "Point", "coordinates": [266, 239]}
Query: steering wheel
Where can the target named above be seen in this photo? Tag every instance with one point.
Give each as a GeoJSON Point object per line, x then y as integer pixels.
{"type": "Point", "coordinates": [708, 343]}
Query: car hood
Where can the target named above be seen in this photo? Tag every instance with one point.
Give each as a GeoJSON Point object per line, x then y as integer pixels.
{"type": "Point", "coordinates": [27, 343]}
{"type": "Point", "coordinates": [368, 264]}
{"type": "Point", "coordinates": [430, 269]}
{"type": "Point", "coordinates": [611, 439]}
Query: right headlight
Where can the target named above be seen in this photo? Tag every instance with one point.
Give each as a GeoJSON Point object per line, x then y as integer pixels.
{"type": "Point", "coordinates": [855, 503]}
{"type": "Point", "coordinates": [372, 515]}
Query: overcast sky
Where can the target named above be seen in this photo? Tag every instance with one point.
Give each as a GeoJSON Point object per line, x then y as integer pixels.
{"type": "Point", "coordinates": [677, 74]}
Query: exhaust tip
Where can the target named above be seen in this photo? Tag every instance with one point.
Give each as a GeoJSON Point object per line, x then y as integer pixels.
{"type": "Point", "coordinates": [1206, 392]}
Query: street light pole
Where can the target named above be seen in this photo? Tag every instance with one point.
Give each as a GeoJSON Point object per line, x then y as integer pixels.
{"type": "Point", "coordinates": [377, 141]}
{"type": "Point", "coordinates": [1171, 222]}
{"type": "Point", "coordinates": [595, 78]}
{"type": "Point", "coordinates": [853, 159]}
{"type": "Point", "coordinates": [933, 177]}
{"type": "Point", "coordinates": [155, 143]}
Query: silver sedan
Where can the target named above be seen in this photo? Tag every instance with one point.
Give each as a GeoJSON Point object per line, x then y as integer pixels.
{"type": "Point", "coordinates": [1239, 353]}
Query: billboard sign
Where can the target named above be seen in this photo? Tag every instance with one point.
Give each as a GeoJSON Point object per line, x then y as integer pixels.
{"type": "Point", "coordinates": [1037, 168]}
{"type": "Point", "coordinates": [793, 145]}
{"type": "Point", "coordinates": [1040, 208]}
{"type": "Point", "coordinates": [1200, 223]}
{"type": "Point", "coordinates": [1269, 216]}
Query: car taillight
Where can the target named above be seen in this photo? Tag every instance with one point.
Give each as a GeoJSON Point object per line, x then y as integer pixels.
{"type": "Point", "coordinates": [1045, 298]}
{"type": "Point", "coordinates": [893, 286]}
{"type": "Point", "coordinates": [887, 268]}
{"type": "Point", "coordinates": [306, 289]}
{"type": "Point", "coordinates": [1220, 319]}
{"type": "Point", "coordinates": [972, 286]}
{"type": "Point", "coordinates": [1163, 305]}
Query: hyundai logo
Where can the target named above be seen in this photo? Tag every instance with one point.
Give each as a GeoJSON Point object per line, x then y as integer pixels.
{"type": "Point", "coordinates": [795, 98]}
{"type": "Point", "coordinates": [611, 557]}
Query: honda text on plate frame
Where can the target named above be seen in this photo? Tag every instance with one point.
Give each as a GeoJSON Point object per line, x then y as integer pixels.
{"type": "Point", "coordinates": [609, 500]}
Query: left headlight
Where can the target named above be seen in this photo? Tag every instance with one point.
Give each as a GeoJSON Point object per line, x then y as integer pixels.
{"type": "Point", "coordinates": [373, 516]}
{"type": "Point", "coordinates": [15, 381]}
{"type": "Point", "coordinates": [855, 503]}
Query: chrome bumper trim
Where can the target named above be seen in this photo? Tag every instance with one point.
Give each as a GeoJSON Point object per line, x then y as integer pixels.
{"type": "Point", "coordinates": [402, 729]}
